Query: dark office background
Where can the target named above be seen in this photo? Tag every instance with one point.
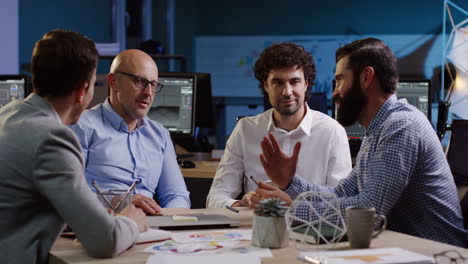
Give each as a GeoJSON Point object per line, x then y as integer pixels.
{"type": "Point", "coordinates": [243, 17]}
{"type": "Point", "coordinates": [194, 18]}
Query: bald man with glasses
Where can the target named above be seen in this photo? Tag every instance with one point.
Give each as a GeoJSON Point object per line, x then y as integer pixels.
{"type": "Point", "coordinates": [121, 145]}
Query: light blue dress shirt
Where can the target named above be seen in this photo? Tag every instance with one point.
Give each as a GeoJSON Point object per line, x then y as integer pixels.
{"type": "Point", "coordinates": [115, 157]}
{"type": "Point", "coordinates": [401, 170]}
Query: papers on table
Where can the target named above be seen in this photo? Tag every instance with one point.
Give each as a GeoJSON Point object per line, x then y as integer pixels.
{"type": "Point", "coordinates": [367, 256]}
{"type": "Point", "coordinates": [153, 235]}
{"type": "Point", "coordinates": [167, 259]}
{"type": "Point", "coordinates": [219, 235]}
{"type": "Point", "coordinates": [231, 248]}
{"type": "Point", "coordinates": [170, 247]}
{"type": "Point", "coordinates": [208, 242]}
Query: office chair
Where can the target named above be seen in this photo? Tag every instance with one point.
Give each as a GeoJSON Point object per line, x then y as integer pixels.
{"type": "Point", "coordinates": [456, 151]}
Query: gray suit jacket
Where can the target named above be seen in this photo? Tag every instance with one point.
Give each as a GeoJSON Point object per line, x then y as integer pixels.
{"type": "Point", "coordinates": [42, 185]}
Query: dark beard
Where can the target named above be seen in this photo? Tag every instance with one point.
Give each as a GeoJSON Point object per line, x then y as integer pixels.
{"type": "Point", "coordinates": [351, 104]}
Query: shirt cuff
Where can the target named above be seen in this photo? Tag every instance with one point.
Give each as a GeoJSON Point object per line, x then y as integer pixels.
{"type": "Point", "coordinates": [230, 202]}
{"type": "Point", "coordinates": [178, 204]}
{"type": "Point", "coordinates": [297, 186]}
{"type": "Point", "coordinates": [131, 221]}
{"type": "Point", "coordinates": [135, 233]}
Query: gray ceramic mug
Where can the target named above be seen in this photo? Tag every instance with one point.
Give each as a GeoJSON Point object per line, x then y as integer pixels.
{"type": "Point", "coordinates": [360, 223]}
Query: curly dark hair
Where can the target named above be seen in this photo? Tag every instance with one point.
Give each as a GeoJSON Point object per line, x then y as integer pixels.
{"type": "Point", "coordinates": [61, 61]}
{"type": "Point", "coordinates": [285, 55]}
{"type": "Point", "coordinates": [372, 52]}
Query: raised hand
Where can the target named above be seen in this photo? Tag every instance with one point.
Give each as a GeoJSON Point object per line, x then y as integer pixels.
{"type": "Point", "coordinates": [278, 166]}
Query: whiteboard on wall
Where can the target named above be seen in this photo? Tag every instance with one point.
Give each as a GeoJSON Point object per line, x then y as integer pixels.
{"type": "Point", "coordinates": [230, 59]}
{"type": "Point", "coordinates": [9, 64]}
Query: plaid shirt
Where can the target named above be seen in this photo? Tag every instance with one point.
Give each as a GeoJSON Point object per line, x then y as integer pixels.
{"type": "Point", "coordinates": [401, 170]}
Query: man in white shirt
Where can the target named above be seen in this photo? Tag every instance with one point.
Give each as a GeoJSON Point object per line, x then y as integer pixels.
{"type": "Point", "coordinates": [286, 72]}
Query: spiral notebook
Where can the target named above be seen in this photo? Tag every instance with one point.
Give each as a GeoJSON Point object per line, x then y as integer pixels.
{"type": "Point", "coordinates": [191, 221]}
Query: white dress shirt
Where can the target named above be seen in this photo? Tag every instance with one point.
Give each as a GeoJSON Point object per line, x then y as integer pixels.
{"type": "Point", "coordinates": [324, 158]}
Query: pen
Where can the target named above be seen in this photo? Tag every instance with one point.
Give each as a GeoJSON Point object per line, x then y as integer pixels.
{"type": "Point", "coordinates": [133, 186]}
{"type": "Point", "coordinates": [99, 191]}
{"type": "Point", "coordinates": [130, 189]}
{"type": "Point", "coordinates": [232, 208]}
{"type": "Point", "coordinates": [256, 182]}
{"type": "Point", "coordinates": [94, 183]}
{"type": "Point", "coordinates": [308, 259]}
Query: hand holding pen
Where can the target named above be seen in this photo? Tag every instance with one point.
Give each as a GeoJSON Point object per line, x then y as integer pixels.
{"type": "Point", "coordinates": [266, 190]}
{"type": "Point", "coordinates": [249, 199]}
{"type": "Point", "coordinates": [254, 197]}
{"type": "Point", "coordinates": [258, 183]}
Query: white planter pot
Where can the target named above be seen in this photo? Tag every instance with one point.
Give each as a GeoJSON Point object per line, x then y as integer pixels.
{"type": "Point", "coordinates": [269, 232]}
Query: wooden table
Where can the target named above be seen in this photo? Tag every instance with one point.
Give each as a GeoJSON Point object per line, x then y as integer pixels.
{"type": "Point", "coordinates": [67, 251]}
{"type": "Point", "coordinates": [204, 167]}
{"type": "Point", "coordinates": [203, 170]}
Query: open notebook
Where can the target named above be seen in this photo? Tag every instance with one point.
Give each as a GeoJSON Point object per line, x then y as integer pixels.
{"type": "Point", "coordinates": [152, 235]}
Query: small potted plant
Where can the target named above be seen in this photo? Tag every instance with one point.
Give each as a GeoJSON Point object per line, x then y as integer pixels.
{"type": "Point", "coordinates": [269, 228]}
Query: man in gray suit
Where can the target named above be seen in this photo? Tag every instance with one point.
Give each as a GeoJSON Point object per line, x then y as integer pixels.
{"type": "Point", "coordinates": [42, 171]}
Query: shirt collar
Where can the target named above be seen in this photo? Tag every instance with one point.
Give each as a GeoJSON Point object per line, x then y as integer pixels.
{"type": "Point", "coordinates": [305, 125]}
{"type": "Point", "coordinates": [116, 120]}
{"type": "Point", "coordinates": [381, 115]}
{"type": "Point", "coordinates": [306, 122]}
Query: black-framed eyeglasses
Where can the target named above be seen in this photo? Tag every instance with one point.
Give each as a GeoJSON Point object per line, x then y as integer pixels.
{"type": "Point", "coordinates": [141, 82]}
{"type": "Point", "coordinates": [450, 257]}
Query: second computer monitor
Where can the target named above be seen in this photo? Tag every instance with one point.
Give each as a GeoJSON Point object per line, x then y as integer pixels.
{"type": "Point", "coordinates": [13, 87]}
{"type": "Point", "coordinates": [174, 106]}
{"type": "Point", "coordinates": [416, 92]}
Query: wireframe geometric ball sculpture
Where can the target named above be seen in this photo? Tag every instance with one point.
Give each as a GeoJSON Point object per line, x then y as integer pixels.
{"type": "Point", "coordinates": [314, 220]}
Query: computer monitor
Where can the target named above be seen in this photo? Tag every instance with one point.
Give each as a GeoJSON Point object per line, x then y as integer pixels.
{"type": "Point", "coordinates": [174, 106]}
{"type": "Point", "coordinates": [204, 108]}
{"type": "Point", "coordinates": [416, 92]}
{"type": "Point", "coordinates": [13, 87]}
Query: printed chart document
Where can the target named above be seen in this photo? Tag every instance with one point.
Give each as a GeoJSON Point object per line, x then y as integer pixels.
{"type": "Point", "coordinates": [219, 235]}
{"type": "Point", "coordinates": [368, 256]}
{"type": "Point", "coordinates": [170, 247]}
{"type": "Point", "coordinates": [213, 259]}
